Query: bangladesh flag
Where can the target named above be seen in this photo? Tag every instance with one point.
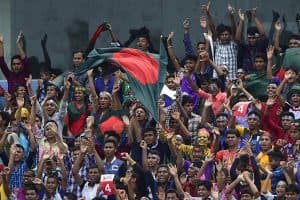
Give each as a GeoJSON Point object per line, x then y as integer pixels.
{"type": "Point", "coordinates": [146, 72]}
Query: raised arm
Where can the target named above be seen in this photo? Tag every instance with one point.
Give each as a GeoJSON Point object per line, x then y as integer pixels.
{"type": "Point", "coordinates": [258, 23]}
{"type": "Point", "coordinates": [174, 173]}
{"type": "Point", "coordinates": [270, 52]}
{"type": "Point", "coordinates": [206, 10]}
{"type": "Point", "coordinates": [143, 145]}
{"type": "Point", "coordinates": [32, 142]}
{"type": "Point", "coordinates": [239, 30]}
{"type": "Point", "coordinates": [172, 53]}
{"type": "Point", "coordinates": [278, 28]}
{"type": "Point", "coordinates": [64, 173]}
{"type": "Point", "coordinates": [45, 51]}
{"type": "Point", "coordinates": [78, 163]}
{"type": "Point", "coordinates": [20, 45]}
{"type": "Point", "coordinates": [186, 38]}
{"type": "Point", "coordinates": [1, 46]}
{"type": "Point", "coordinates": [231, 12]}
{"type": "Point", "coordinates": [242, 88]}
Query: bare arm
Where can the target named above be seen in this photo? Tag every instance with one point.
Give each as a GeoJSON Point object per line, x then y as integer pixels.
{"type": "Point", "coordinates": [239, 31]}
{"type": "Point", "coordinates": [270, 52]}
{"type": "Point", "coordinates": [20, 46]}
{"type": "Point", "coordinates": [209, 18]}
{"type": "Point", "coordinates": [277, 34]}
{"type": "Point", "coordinates": [143, 145]}
{"type": "Point", "coordinates": [174, 173]}
{"type": "Point", "coordinates": [1, 46]}
{"type": "Point", "coordinates": [64, 182]}
{"type": "Point", "coordinates": [258, 24]}
{"type": "Point", "coordinates": [77, 165]}
{"type": "Point", "coordinates": [231, 12]}
{"type": "Point", "coordinates": [172, 53]}
{"type": "Point", "coordinates": [32, 142]}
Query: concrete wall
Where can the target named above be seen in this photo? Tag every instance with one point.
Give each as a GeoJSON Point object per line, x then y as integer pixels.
{"type": "Point", "coordinates": [69, 24]}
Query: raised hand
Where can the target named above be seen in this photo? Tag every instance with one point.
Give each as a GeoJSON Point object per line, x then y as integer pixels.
{"type": "Point", "coordinates": [28, 126]}
{"type": "Point", "coordinates": [216, 131]}
{"type": "Point", "coordinates": [205, 8]}
{"type": "Point", "coordinates": [1, 38]}
{"type": "Point", "coordinates": [241, 15]}
{"type": "Point", "coordinates": [143, 144]}
{"type": "Point", "coordinates": [278, 26]}
{"type": "Point", "coordinates": [173, 170]}
{"type": "Point", "coordinates": [83, 148]}
{"type": "Point", "coordinates": [170, 135]}
{"type": "Point", "coordinates": [209, 157]}
{"type": "Point", "coordinates": [44, 40]}
{"type": "Point", "coordinates": [230, 9]}
{"type": "Point", "coordinates": [90, 73]}
{"type": "Point", "coordinates": [169, 39]}
{"type": "Point", "coordinates": [37, 181]}
{"type": "Point", "coordinates": [204, 56]}
{"type": "Point", "coordinates": [253, 12]}
{"type": "Point", "coordinates": [270, 52]}
{"type": "Point", "coordinates": [208, 102]}
{"type": "Point", "coordinates": [175, 115]}
{"type": "Point", "coordinates": [19, 38]}
{"type": "Point", "coordinates": [203, 22]}
{"type": "Point", "coordinates": [28, 80]}
{"type": "Point", "coordinates": [90, 121]}
{"type": "Point", "coordinates": [177, 80]}
{"type": "Point", "coordinates": [186, 24]}
{"type": "Point", "coordinates": [125, 156]}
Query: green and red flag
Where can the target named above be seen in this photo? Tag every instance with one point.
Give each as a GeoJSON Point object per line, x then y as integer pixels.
{"type": "Point", "coordinates": [146, 72]}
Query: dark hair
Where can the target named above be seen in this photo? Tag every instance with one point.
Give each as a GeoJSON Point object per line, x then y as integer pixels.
{"type": "Point", "coordinates": [246, 190]}
{"type": "Point", "coordinates": [287, 114]}
{"type": "Point", "coordinates": [149, 129]}
{"type": "Point", "coordinates": [222, 28]}
{"type": "Point", "coordinates": [217, 82]}
{"type": "Point", "coordinates": [49, 121]}
{"type": "Point", "coordinates": [171, 191]}
{"type": "Point", "coordinates": [275, 155]}
{"type": "Point", "coordinates": [186, 99]}
{"type": "Point", "coordinates": [261, 55]}
{"type": "Point", "coordinates": [93, 166]}
{"type": "Point", "coordinates": [154, 152]}
{"type": "Point", "coordinates": [45, 70]}
{"type": "Point", "coordinates": [190, 57]}
{"type": "Point", "coordinates": [170, 76]}
{"type": "Point", "coordinates": [31, 187]}
{"type": "Point", "coordinates": [111, 141]}
{"type": "Point", "coordinates": [233, 132]}
{"type": "Point", "coordinates": [206, 183]}
{"type": "Point", "coordinates": [112, 134]}
{"type": "Point", "coordinates": [70, 196]}
{"type": "Point", "coordinates": [252, 31]}
{"type": "Point", "coordinates": [162, 166]}
{"type": "Point", "coordinates": [292, 68]}
{"type": "Point", "coordinates": [294, 37]}
{"type": "Point", "coordinates": [15, 57]}
{"type": "Point", "coordinates": [293, 188]}
{"type": "Point", "coordinates": [201, 42]}
{"type": "Point", "coordinates": [20, 146]}
{"type": "Point", "coordinates": [79, 51]}
{"type": "Point", "coordinates": [255, 113]}
{"type": "Point", "coordinates": [5, 117]}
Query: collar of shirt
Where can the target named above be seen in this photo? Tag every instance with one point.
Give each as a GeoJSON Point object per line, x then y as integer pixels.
{"type": "Point", "coordinates": [110, 161]}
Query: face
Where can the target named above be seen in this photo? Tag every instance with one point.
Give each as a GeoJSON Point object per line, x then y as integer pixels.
{"type": "Point", "coordinates": [17, 65]}
{"type": "Point", "coordinates": [192, 171]}
{"type": "Point", "coordinates": [162, 175]}
{"type": "Point", "coordinates": [225, 37]}
{"type": "Point", "coordinates": [274, 163]}
{"type": "Point", "coordinates": [142, 44]}
{"type": "Point", "coordinates": [232, 140]}
{"type": "Point", "coordinates": [200, 48]}
{"type": "Point", "coordinates": [271, 90]}
{"type": "Point", "coordinates": [190, 65]}
{"type": "Point", "coordinates": [221, 124]}
{"type": "Point", "coordinates": [294, 133]}
{"type": "Point", "coordinates": [149, 137]}
{"type": "Point", "coordinates": [38, 122]}
{"type": "Point", "coordinates": [240, 75]}
{"type": "Point", "coordinates": [172, 196]}
{"type": "Point", "coordinates": [253, 122]}
{"type": "Point", "coordinates": [19, 154]}
{"type": "Point", "coordinates": [31, 195]}
{"type": "Point", "coordinates": [109, 150]}
{"type": "Point", "coordinates": [94, 175]}
{"type": "Point", "coordinates": [266, 143]}
{"type": "Point", "coordinates": [213, 89]}
{"type": "Point", "coordinates": [252, 40]}
{"type": "Point", "coordinates": [104, 101]}
{"type": "Point", "coordinates": [45, 76]}
{"type": "Point", "coordinates": [246, 197]}
{"type": "Point", "coordinates": [79, 95]}
{"type": "Point", "coordinates": [78, 59]}
{"type": "Point", "coordinates": [286, 122]}
{"type": "Point", "coordinates": [140, 114]}
{"type": "Point", "coordinates": [197, 155]}
{"type": "Point", "coordinates": [153, 160]}
{"type": "Point", "coordinates": [75, 154]}
{"type": "Point", "coordinates": [291, 196]}
{"type": "Point", "coordinates": [28, 177]}
{"type": "Point", "coordinates": [203, 192]}
{"type": "Point", "coordinates": [188, 107]}
{"type": "Point", "coordinates": [294, 43]}
{"type": "Point", "coordinates": [51, 91]}
{"type": "Point", "coordinates": [280, 189]}
{"type": "Point", "coordinates": [292, 75]}
{"type": "Point", "coordinates": [170, 83]}
{"type": "Point", "coordinates": [51, 185]}
{"type": "Point", "coordinates": [202, 139]}
{"type": "Point", "coordinates": [49, 133]}
{"type": "Point", "coordinates": [21, 91]}
{"type": "Point", "coordinates": [259, 64]}
{"type": "Point", "coordinates": [295, 99]}
{"type": "Point", "coordinates": [50, 107]}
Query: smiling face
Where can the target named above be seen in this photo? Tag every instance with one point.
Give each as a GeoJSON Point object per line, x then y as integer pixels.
{"type": "Point", "coordinates": [142, 43]}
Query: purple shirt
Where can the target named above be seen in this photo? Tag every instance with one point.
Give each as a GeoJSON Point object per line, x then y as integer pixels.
{"type": "Point", "coordinates": [14, 79]}
{"type": "Point", "coordinates": [186, 89]}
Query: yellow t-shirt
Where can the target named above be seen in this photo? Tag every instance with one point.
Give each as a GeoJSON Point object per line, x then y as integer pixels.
{"type": "Point", "coordinates": [263, 160]}
{"type": "Point", "coordinates": [2, 193]}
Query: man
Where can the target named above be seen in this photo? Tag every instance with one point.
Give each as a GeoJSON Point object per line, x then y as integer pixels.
{"type": "Point", "coordinates": [32, 193]}
{"type": "Point", "coordinates": [292, 192]}
{"type": "Point", "coordinates": [19, 65]}
{"type": "Point", "coordinates": [172, 195]}
{"type": "Point", "coordinates": [111, 164]}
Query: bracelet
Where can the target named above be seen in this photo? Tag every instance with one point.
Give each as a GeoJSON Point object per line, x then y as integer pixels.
{"type": "Point", "coordinates": [170, 46]}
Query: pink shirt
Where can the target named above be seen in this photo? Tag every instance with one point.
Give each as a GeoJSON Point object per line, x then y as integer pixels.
{"type": "Point", "coordinates": [217, 101]}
